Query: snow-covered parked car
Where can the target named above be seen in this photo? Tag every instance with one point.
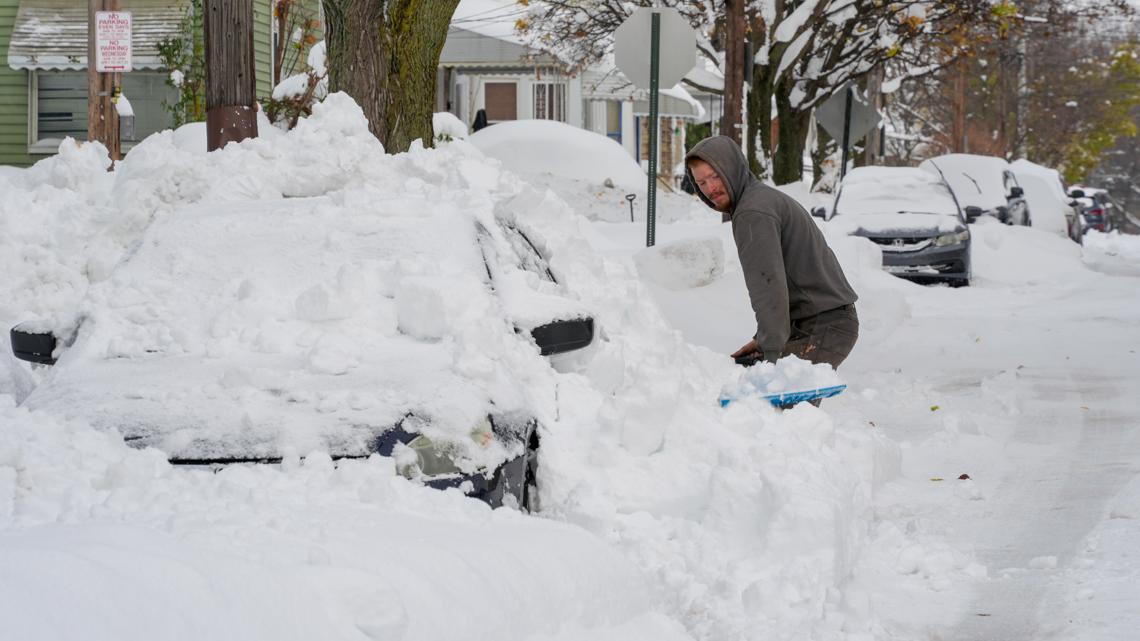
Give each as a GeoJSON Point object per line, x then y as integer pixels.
{"type": "Point", "coordinates": [986, 182]}
{"type": "Point", "coordinates": [912, 215]}
{"type": "Point", "coordinates": [232, 335]}
{"type": "Point", "coordinates": [1053, 209]}
{"type": "Point", "coordinates": [1098, 210]}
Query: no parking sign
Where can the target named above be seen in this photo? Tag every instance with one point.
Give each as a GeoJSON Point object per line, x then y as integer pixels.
{"type": "Point", "coordinates": [112, 41]}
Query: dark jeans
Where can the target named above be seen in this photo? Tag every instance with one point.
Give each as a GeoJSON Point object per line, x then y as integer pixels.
{"type": "Point", "coordinates": [827, 337]}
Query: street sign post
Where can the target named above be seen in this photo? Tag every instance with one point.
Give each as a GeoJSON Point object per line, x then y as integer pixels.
{"type": "Point", "coordinates": [847, 117]}
{"type": "Point", "coordinates": [652, 67]}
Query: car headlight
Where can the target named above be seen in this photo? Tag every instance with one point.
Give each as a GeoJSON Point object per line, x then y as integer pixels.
{"type": "Point", "coordinates": [422, 457]}
{"type": "Point", "coordinates": [952, 239]}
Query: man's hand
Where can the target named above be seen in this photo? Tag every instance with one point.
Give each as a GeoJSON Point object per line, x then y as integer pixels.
{"type": "Point", "coordinates": [750, 354]}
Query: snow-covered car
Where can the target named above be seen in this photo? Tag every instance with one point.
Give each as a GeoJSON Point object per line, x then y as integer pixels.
{"type": "Point", "coordinates": [911, 214]}
{"type": "Point", "coordinates": [986, 182]}
{"type": "Point", "coordinates": [237, 336]}
{"type": "Point", "coordinates": [1053, 209]}
{"type": "Point", "coordinates": [1098, 210]}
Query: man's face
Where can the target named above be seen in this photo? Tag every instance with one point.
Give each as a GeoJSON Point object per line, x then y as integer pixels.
{"type": "Point", "coordinates": [710, 184]}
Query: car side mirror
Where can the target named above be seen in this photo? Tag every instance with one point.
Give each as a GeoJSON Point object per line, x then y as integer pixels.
{"type": "Point", "coordinates": [819, 212]}
{"type": "Point", "coordinates": [1016, 192]}
{"type": "Point", "coordinates": [32, 345]}
{"type": "Point", "coordinates": [563, 335]}
{"type": "Point", "coordinates": [973, 213]}
{"type": "Point", "coordinates": [1077, 193]}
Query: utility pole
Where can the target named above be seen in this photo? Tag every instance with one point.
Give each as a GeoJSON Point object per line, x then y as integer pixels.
{"type": "Point", "coordinates": [733, 69]}
{"type": "Point", "coordinates": [102, 118]}
{"type": "Point", "coordinates": [1022, 129]}
{"type": "Point", "coordinates": [872, 155]}
{"type": "Point", "coordinates": [231, 114]}
{"type": "Point", "coordinates": [959, 144]}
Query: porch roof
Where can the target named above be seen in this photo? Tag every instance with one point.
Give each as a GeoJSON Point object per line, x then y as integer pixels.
{"type": "Point", "coordinates": [52, 34]}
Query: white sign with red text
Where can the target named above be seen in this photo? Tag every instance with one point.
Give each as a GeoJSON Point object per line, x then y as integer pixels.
{"type": "Point", "coordinates": [112, 41]}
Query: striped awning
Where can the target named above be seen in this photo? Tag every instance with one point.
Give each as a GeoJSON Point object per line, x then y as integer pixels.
{"type": "Point", "coordinates": [52, 34]}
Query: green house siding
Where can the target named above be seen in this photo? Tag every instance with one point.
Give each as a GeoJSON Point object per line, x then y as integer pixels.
{"type": "Point", "coordinates": [263, 41]}
{"type": "Point", "coordinates": [263, 47]}
{"type": "Point", "coordinates": [13, 96]}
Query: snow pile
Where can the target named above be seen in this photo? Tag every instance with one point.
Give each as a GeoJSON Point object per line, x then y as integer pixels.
{"type": "Point", "coordinates": [1124, 246]}
{"type": "Point", "coordinates": [56, 235]}
{"type": "Point", "coordinates": [547, 146]}
{"type": "Point", "coordinates": [298, 551]}
{"type": "Point", "coordinates": [1113, 253]}
{"type": "Point", "coordinates": [789, 374]}
{"type": "Point", "coordinates": [645, 457]}
{"type": "Point", "coordinates": [65, 222]}
{"type": "Point", "coordinates": [682, 264]}
{"type": "Point", "coordinates": [1021, 255]}
{"type": "Point", "coordinates": [448, 127]}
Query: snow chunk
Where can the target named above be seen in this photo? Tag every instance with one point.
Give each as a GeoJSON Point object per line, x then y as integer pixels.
{"type": "Point", "coordinates": [292, 87]}
{"type": "Point", "coordinates": [683, 264]}
{"type": "Point", "coordinates": [789, 374]}
{"type": "Point", "coordinates": [123, 106]}
{"type": "Point", "coordinates": [448, 127]}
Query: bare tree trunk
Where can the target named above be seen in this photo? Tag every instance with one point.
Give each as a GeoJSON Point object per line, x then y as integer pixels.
{"type": "Point", "coordinates": [788, 162]}
{"type": "Point", "coordinates": [760, 122]}
{"type": "Point", "coordinates": [102, 117]}
{"type": "Point", "coordinates": [733, 68]}
{"type": "Point", "coordinates": [384, 53]}
{"type": "Point", "coordinates": [819, 154]}
{"type": "Point", "coordinates": [231, 113]}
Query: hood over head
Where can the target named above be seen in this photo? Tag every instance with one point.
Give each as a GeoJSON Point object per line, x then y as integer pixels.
{"type": "Point", "coordinates": [727, 160]}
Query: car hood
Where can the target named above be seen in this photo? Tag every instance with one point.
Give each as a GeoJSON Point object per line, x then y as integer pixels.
{"type": "Point", "coordinates": [902, 225]}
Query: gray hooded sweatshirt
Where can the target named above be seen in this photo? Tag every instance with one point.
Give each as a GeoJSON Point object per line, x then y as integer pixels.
{"type": "Point", "coordinates": [789, 270]}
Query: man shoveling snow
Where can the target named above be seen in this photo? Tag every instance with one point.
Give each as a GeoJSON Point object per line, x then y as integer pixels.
{"type": "Point", "coordinates": [803, 303]}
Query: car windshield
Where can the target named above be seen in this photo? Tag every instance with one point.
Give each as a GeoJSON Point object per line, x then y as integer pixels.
{"type": "Point", "coordinates": [976, 180]}
{"type": "Point", "coordinates": [894, 190]}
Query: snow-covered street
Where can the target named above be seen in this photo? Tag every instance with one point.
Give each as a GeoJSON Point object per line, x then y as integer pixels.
{"type": "Point", "coordinates": [1022, 383]}
{"type": "Point", "coordinates": [979, 479]}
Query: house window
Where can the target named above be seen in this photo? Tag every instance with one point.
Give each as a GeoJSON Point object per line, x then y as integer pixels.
{"type": "Point", "coordinates": [550, 101]}
{"type": "Point", "coordinates": [61, 106]}
{"type": "Point", "coordinates": [500, 99]}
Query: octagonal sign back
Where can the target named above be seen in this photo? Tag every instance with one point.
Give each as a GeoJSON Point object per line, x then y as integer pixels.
{"type": "Point", "coordinates": [677, 51]}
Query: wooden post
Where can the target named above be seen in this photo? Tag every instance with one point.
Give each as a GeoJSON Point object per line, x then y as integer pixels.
{"type": "Point", "coordinates": [871, 152]}
{"type": "Point", "coordinates": [102, 117]}
{"type": "Point", "coordinates": [231, 113]}
{"type": "Point", "coordinates": [733, 69]}
{"type": "Point", "coordinates": [958, 128]}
